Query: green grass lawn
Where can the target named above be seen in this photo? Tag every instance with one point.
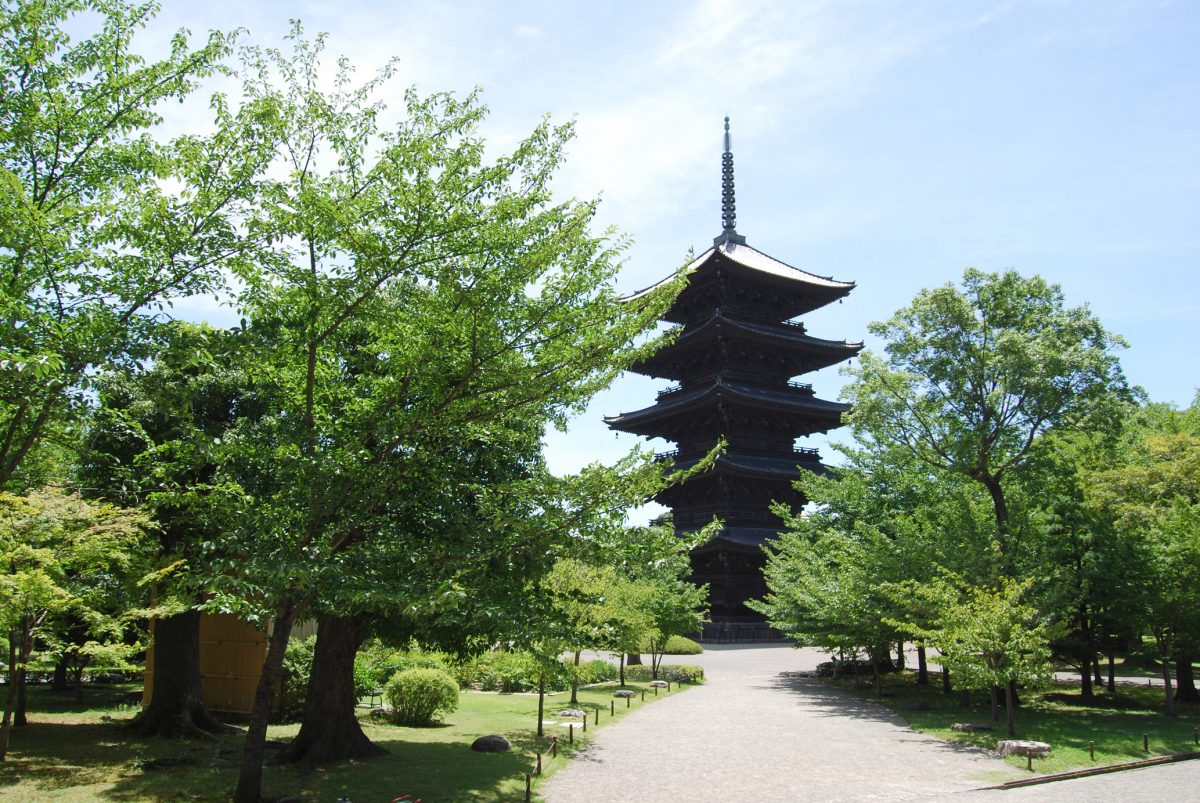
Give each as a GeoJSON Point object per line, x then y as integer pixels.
{"type": "Point", "coordinates": [1058, 716]}
{"type": "Point", "coordinates": [81, 752]}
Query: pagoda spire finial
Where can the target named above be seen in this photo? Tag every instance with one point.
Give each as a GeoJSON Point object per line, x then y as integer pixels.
{"type": "Point", "coordinates": [728, 205]}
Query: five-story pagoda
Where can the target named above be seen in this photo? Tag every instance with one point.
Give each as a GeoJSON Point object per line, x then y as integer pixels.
{"type": "Point", "coordinates": [734, 360]}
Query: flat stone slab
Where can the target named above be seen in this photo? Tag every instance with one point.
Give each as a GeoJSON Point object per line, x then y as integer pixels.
{"type": "Point", "coordinates": [660, 684]}
{"type": "Point", "coordinates": [1023, 747]}
{"type": "Point", "coordinates": [572, 712]}
{"type": "Point", "coordinates": [624, 693]}
{"type": "Point", "coordinates": [969, 727]}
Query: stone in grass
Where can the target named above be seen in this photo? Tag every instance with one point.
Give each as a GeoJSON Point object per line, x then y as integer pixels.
{"type": "Point", "coordinates": [572, 712]}
{"type": "Point", "coordinates": [969, 726]}
{"type": "Point", "coordinates": [624, 693]}
{"type": "Point", "coordinates": [1022, 747]}
{"type": "Point", "coordinates": [491, 744]}
{"type": "Point", "coordinates": [662, 684]}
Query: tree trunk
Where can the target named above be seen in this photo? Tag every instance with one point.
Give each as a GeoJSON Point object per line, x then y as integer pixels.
{"type": "Point", "coordinates": [900, 656]}
{"type": "Point", "coordinates": [964, 698]}
{"type": "Point", "coordinates": [945, 681]}
{"type": "Point", "coordinates": [10, 697]}
{"type": "Point", "coordinates": [633, 658]}
{"type": "Point", "coordinates": [1085, 678]}
{"type": "Point", "coordinates": [575, 680]}
{"type": "Point", "coordinates": [541, 703]}
{"type": "Point", "coordinates": [1000, 507]}
{"type": "Point", "coordinates": [1164, 648]}
{"type": "Point", "coordinates": [622, 670]}
{"type": "Point", "coordinates": [249, 785]}
{"type": "Point", "coordinates": [1185, 679]}
{"type": "Point", "coordinates": [922, 666]}
{"type": "Point", "coordinates": [1099, 678]}
{"type": "Point", "coordinates": [60, 675]}
{"type": "Point", "coordinates": [177, 706]}
{"type": "Point", "coordinates": [329, 730]}
{"type": "Point", "coordinates": [1112, 672]}
{"type": "Point", "coordinates": [1010, 699]}
{"type": "Point", "coordinates": [995, 704]}
{"type": "Point", "coordinates": [19, 718]}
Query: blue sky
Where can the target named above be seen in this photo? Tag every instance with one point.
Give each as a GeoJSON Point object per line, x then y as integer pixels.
{"type": "Point", "coordinates": [888, 143]}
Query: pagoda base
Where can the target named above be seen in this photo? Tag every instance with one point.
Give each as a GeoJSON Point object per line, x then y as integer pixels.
{"type": "Point", "coordinates": [732, 567]}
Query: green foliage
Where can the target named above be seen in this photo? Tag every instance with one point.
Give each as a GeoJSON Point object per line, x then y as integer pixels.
{"type": "Point", "coordinates": [597, 671]}
{"type": "Point", "coordinates": [672, 672]}
{"type": "Point", "coordinates": [677, 645]}
{"type": "Point", "coordinates": [293, 691]}
{"type": "Point", "coordinates": [505, 671]}
{"type": "Point", "coordinates": [376, 662]}
{"type": "Point", "coordinates": [419, 696]}
{"type": "Point", "coordinates": [92, 242]}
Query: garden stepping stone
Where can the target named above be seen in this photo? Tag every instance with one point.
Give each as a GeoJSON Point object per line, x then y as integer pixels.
{"type": "Point", "coordinates": [661, 684]}
{"type": "Point", "coordinates": [969, 726]}
{"type": "Point", "coordinates": [572, 712]}
{"type": "Point", "coordinates": [1023, 747]}
{"type": "Point", "coordinates": [624, 693]}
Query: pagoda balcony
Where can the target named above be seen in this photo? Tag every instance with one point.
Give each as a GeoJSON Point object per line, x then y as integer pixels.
{"type": "Point", "coordinates": [709, 378]}
{"type": "Point", "coordinates": [802, 454]}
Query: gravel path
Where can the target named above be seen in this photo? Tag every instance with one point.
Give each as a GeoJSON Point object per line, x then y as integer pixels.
{"type": "Point", "coordinates": [752, 733]}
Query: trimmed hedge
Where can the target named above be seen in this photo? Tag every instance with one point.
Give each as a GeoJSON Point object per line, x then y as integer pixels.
{"type": "Point", "coordinates": [675, 672]}
{"type": "Point", "coordinates": [418, 696]}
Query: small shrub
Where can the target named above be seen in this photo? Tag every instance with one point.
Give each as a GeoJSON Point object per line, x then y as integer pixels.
{"type": "Point", "coordinates": [680, 645]}
{"type": "Point", "coordinates": [597, 671]}
{"type": "Point", "coordinates": [376, 663]}
{"type": "Point", "coordinates": [674, 672]}
{"type": "Point", "coordinates": [419, 696]}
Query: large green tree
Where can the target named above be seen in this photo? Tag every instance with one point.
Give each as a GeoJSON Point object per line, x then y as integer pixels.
{"type": "Point", "coordinates": [417, 297]}
{"type": "Point", "coordinates": [101, 226]}
{"type": "Point", "coordinates": [973, 376]}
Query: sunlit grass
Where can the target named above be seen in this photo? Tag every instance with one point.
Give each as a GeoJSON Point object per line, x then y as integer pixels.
{"type": "Point", "coordinates": [80, 753]}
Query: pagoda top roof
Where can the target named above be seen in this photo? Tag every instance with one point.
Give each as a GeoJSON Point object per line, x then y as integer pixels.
{"type": "Point", "coordinates": [751, 258]}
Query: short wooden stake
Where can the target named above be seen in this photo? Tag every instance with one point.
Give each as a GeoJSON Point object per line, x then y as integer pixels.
{"type": "Point", "coordinates": [668, 685]}
{"type": "Point", "coordinates": [571, 733]}
{"type": "Point", "coordinates": [656, 691]}
{"type": "Point", "coordinates": [538, 770]}
{"type": "Point", "coordinates": [612, 708]}
{"type": "Point", "coordinates": [553, 747]}
{"type": "Point", "coordinates": [1146, 742]}
{"type": "Point", "coordinates": [628, 701]}
{"type": "Point", "coordinates": [1029, 760]}
{"type": "Point", "coordinates": [643, 695]}
{"type": "Point", "coordinates": [1092, 750]}
{"type": "Point", "coordinates": [597, 717]}
{"type": "Point", "coordinates": [528, 787]}
{"type": "Point", "coordinates": [585, 723]}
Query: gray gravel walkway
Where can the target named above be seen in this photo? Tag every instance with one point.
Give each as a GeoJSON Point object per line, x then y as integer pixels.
{"type": "Point", "coordinates": [752, 733]}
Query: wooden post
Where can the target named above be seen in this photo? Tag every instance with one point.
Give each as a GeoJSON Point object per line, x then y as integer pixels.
{"type": "Point", "coordinates": [612, 708]}
{"type": "Point", "coordinates": [538, 770]}
{"type": "Point", "coordinates": [528, 787]}
{"type": "Point", "coordinates": [668, 685]}
{"type": "Point", "coordinates": [585, 723]}
{"type": "Point", "coordinates": [643, 695]}
{"type": "Point", "coordinates": [1146, 742]}
{"type": "Point", "coordinates": [656, 691]}
{"type": "Point", "coordinates": [1092, 750]}
{"type": "Point", "coordinates": [1029, 760]}
{"type": "Point", "coordinates": [553, 747]}
{"type": "Point", "coordinates": [628, 701]}
{"type": "Point", "coordinates": [571, 733]}
{"type": "Point", "coordinates": [597, 717]}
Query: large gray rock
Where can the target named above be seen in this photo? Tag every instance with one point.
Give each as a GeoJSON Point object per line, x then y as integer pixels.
{"type": "Point", "coordinates": [969, 726]}
{"type": "Point", "coordinates": [1022, 747]}
{"type": "Point", "coordinates": [572, 712]}
{"type": "Point", "coordinates": [624, 693]}
{"type": "Point", "coordinates": [491, 744]}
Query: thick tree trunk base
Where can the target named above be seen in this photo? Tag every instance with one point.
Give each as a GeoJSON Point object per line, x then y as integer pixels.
{"type": "Point", "coordinates": [330, 730]}
{"type": "Point", "coordinates": [1185, 680]}
{"type": "Point", "coordinates": [184, 721]}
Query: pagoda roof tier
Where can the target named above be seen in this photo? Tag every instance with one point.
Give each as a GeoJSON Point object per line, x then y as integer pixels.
{"type": "Point", "coordinates": [784, 346]}
{"type": "Point", "coordinates": [731, 271]}
{"type": "Point", "coordinates": [708, 406]}
{"type": "Point", "coordinates": [739, 539]}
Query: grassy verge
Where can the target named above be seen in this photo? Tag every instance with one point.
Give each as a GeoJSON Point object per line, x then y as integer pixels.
{"type": "Point", "coordinates": [1114, 723]}
{"type": "Point", "coordinates": [80, 753]}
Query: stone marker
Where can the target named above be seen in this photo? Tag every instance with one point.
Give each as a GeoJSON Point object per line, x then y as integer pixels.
{"type": "Point", "coordinates": [659, 683]}
{"type": "Point", "coordinates": [624, 693]}
{"type": "Point", "coordinates": [491, 744]}
{"type": "Point", "coordinates": [969, 726]}
{"type": "Point", "coordinates": [572, 712]}
{"type": "Point", "coordinates": [1022, 747]}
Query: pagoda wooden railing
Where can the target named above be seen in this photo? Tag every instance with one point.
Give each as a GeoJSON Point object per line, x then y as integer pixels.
{"type": "Point", "coordinates": [671, 390]}
{"type": "Point", "coordinates": [806, 453]}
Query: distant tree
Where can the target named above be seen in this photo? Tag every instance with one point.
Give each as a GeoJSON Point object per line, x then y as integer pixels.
{"type": "Point", "coordinates": [973, 378]}
{"type": "Point", "coordinates": [1153, 495]}
{"type": "Point", "coordinates": [52, 546]}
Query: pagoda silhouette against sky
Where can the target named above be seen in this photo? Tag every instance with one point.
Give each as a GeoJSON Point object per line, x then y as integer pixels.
{"type": "Point", "coordinates": [733, 363]}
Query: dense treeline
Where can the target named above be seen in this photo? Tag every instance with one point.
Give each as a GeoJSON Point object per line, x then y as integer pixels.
{"type": "Point", "coordinates": [1007, 500]}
